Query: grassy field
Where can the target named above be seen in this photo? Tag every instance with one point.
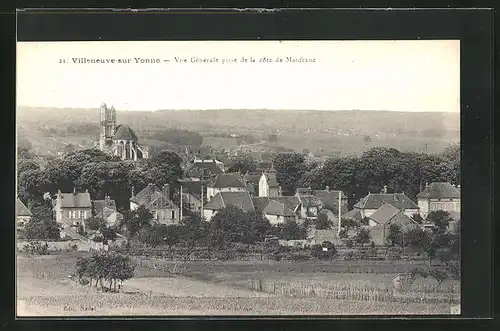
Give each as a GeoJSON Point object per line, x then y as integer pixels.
{"type": "Point", "coordinates": [44, 289]}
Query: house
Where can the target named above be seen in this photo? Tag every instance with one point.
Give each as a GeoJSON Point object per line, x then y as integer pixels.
{"type": "Point", "coordinates": [310, 205]}
{"type": "Point", "coordinates": [330, 199]}
{"type": "Point", "coordinates": [72, 208]}
{"type": "Point", "coordinates": [23, 214]}
{"type": "Point", "coordinates": [224, 199]}
{"type": "Point", "coordinates": [199, 170]}
{"type": "Point", "coordinates": [277, 212]}
{"type": "Point", "coordinates": [268, 184]}
{"type": "Point", "coordinates": [217, 162]}
{"type": "Point", "coordinates": [157, 202]}
{"type": "Point", "coordinates": [191, 195]}
{"type": "Point", "coordinates": [225, 182]}
{"type": "Point", "coordinates": [439, 196]}
{"type": "Point", "coordinates": [373, 201]}
{"type": "Point", "coordinates": [381, 220]}
{"type": "Point", "coordinates": [106, 209]}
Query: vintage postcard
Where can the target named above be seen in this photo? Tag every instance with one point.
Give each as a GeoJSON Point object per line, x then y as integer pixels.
{"type": "Point", "coordinates": [256, 178]}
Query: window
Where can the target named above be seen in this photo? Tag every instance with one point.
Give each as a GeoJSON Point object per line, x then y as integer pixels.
{"type": "Point", "coordinates": [173, 214]}
{"type": "Point", "coordinates": [278, 217]}
{"type": "Point", "coordinates": [156, 214]}
{"type": "Point", "coordinates": [82, 213]}
{"type": "Point", "coordinates": [449, 206]}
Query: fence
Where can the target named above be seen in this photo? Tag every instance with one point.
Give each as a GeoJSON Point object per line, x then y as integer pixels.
{"type": "Point", "coordinates": [420, 294]}
{"type": "Point", "coordinates": [53, 245]}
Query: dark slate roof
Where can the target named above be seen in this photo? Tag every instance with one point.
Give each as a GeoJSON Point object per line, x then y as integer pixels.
{"type": "Point", "coordinates": [354, 214]}
{"type": "Point", "coordinates": [260, 203]}
{"type": "Point", "coordinates": [331, 199]}
{"type": "Point", "coordinates": [376, 200]}
{"type": "Point", "coordinates": [225, 199]}
{"type": "Point", "coordinates": [196, 169]}
{"type": "Point", "coordinates": [303, 191]}
{"type": "Point", "coordinates": [192, 187]}
{"type": "Point", "coordinates": [162, 200]}
{"type": "Point", "coordinates": [384, 214]}
{"type": "Point", "coordinates": [99, 205]}
{"type": "Point", "coordinates": [144, 196]}
{"type": "Point", "coordinates": [124, 132]}
{"type": "Point", "coordinates": [21, 209]}
{"type": "Point", "coordinates": [274, 207]}
{"type": "Point", "coordinates": [440, 190]}
{"type": "Point", "coordinates": [78, 200]}
{"type": "Point", "coordinates": [225, 180]}
{"type": "Point", "coordinates": [253, 177]}
{"type": "Point", "coordinates": [271, 177]}
{"type": "Point", "coordinates": [310, 201]}
{"type": "Point", "coordinates": [291, 202]}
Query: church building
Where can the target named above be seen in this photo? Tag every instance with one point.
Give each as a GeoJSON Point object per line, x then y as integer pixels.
{"type": "Point", "coordinates": [119, 140]}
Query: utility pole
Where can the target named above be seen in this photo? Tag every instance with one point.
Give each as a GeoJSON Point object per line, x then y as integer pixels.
{"type": "Point", "coordinates": [340, 213]}
{"type": "Point", "coordinates": [181, 206]}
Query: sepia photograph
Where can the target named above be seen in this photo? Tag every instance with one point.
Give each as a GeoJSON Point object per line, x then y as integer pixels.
{"type": "Point", "coordinates": [246, 178]}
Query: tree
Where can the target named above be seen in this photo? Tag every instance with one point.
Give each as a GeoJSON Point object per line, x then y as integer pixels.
{"type": "Point", "coordinates": [168, 165]}
{"type": "Point", "coordinates": [440, 218]}
{"type": "Point", "coordinates": [95, 223]}
{"type": "Point", "coordinates": [362, 237]}
{"type": "Point", "coordinates": [137, 219]}
{"type": "Point", "coordinates": [394, 235]}
{"type": "Point", "coordinates": [171, 235]}
{"type": "Point", "coordinates": [323, 222]}
{"type": "Point", "coordinates": [42, 225]}
{"type": "Point", "coordinates": [243, 165]}
{"type": "Point", "coordinates": [104, 265]}
{"type": "Point", "coordinates": [417, 238]}
{"type": "Point", "coordinates": [290, 167]}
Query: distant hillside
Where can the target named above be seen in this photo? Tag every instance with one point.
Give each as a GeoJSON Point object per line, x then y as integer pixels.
{"type": "Point", "coordinates": [349, 131]}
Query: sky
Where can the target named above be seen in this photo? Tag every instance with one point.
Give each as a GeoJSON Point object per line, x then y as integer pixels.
{"type": "Point", "coordinates": [363, 75]}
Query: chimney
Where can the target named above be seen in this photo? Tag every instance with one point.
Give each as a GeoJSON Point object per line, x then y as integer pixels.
{"type": "Point", "coordinates": [133, 192]}
{"type": "Point", "coordinates": [166, 190]}
{"type": "Point", "coordinates": [453, 185]}
{"type": "Point", "coordinates": [426, 184]}
{"type": "Point", "coordinates": [280, 191]}
{"type": "Point", "coordinates": [74, 190]}
{"type": "Point", "coordinates": [86, 190]}
{"type": "Point", "coordinates": [327, 188]}
{"type": "Point", "coordinates": [106, 200]}
{"type": "Point", "coordinates": [384, 190]}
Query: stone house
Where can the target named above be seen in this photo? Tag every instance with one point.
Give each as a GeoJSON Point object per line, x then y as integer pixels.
{"type": "Point", "coordinates": [373, 201]}
{"type": "Point", "coordinates": [439, 196]}
{"type": "Point", "coordinates": [106, 209]}
{"type": "Point", "coordinates": [224, 199]}
{"type": "Point", "coordinates": [268, 184]}
{"type": "Point", "coordinates": [381, 220]}
{"type": "Point", "coordinates": [191, 195]}
{"type": "Point", "coordinates": [158, 202]}
{"type": "Point", "coordinates": [225, 182]}
{"type": "Point", "coordinates": [72, 208]}
{"type": "Point", "coordinates": [23, 214]}
{"type": "Point", "coordinates": [199, 170]}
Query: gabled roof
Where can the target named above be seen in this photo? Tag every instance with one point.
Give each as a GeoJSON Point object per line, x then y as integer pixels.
{"type": "Point", "coordinates": [196, 169]}
{"type": "Point", "coordinates": [107, 212]}
{"type": "Point", "coordinates": [310, 201]}
{"type": "Point", "coordinates": [99, 205]}
{"type": "Point", "coordinates": [226, 180]}
{"type": "Point", "coordinates": [76, 200]}
{"type": "Point", "coordinates": [21, 209]}
{"type": "Point", "coordinates": [390, 214]}
{"type": "Point", "coordinates": [291, 202]}
{"type": "Point", "coordinates": [225, 199]}
{"type": "Point", "coordinates": [274, 207]}
{"type": "Point", "coordinates": [161, 200]}
{"type": "Point", "coordinates": [376, 200]}
{"type": "Point", "coordinates": [384, 213]}
{"type": "Point", "coordinates": [331, 199]}
{"type": "Point", "coordinates": [252, 177]}
{"type": "Point", "coordinates": [270, 175]}
{"type": "Point", "coordinates": [192, 187]}
{"type": "Point", "coordinates": [144, 196]}
{"type": "Point", "coordinates": [124, 132]}
{"type": "Point", "coordinates": [440, 190]}
{"type": "Point", "coordinates": [354, 214]}
{"type": "Point", "coordinates": [260, 203]}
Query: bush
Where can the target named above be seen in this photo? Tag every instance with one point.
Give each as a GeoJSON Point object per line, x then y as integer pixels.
{"type": "Point", "coordinates": [36, 247]}
{"type": "Point", "coordinates": [277, 256]}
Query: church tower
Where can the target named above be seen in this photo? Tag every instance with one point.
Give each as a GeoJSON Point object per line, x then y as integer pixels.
{"type": "Point", "coordinates": [108, 126]}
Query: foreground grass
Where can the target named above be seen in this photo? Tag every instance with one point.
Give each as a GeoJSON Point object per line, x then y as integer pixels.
{"type": "Point", "coordinates": [44, 289]}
